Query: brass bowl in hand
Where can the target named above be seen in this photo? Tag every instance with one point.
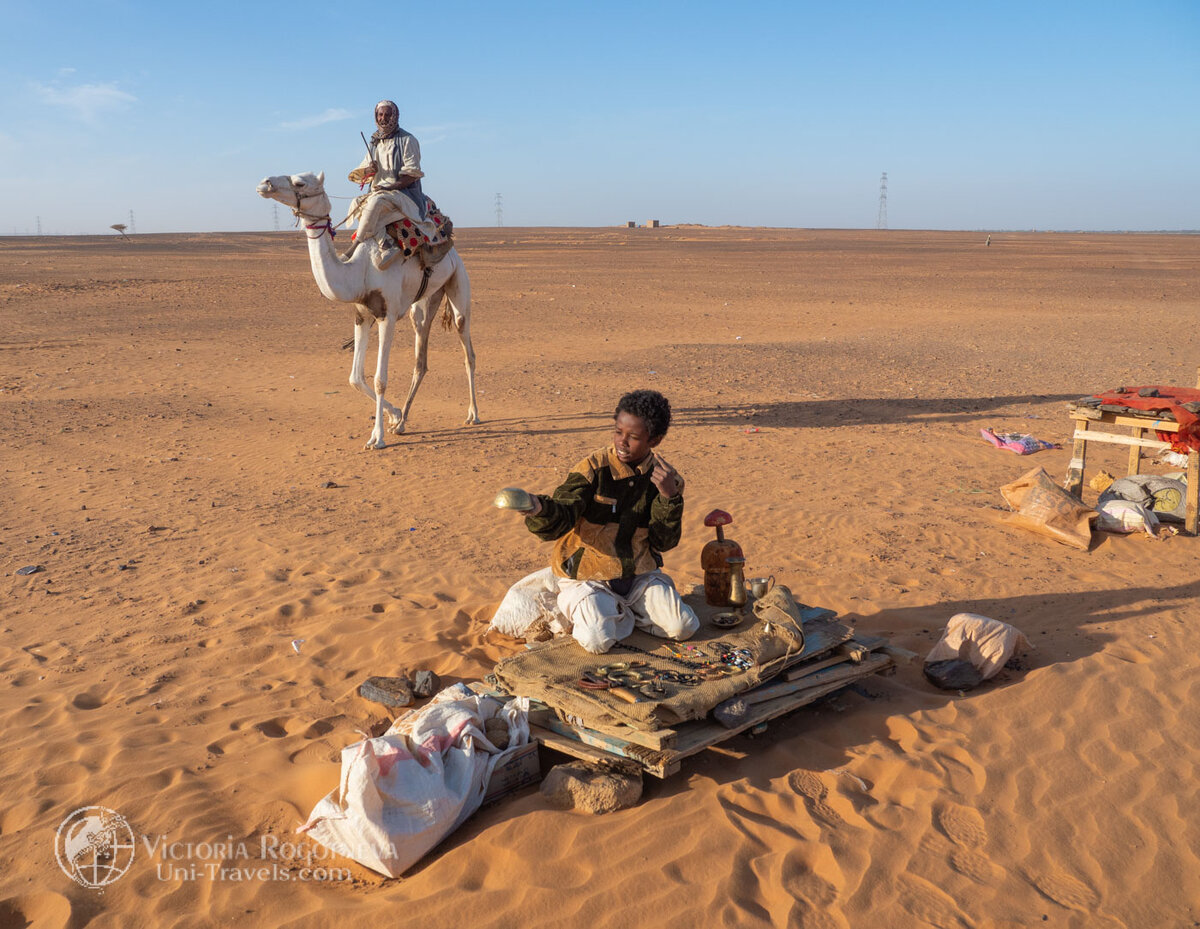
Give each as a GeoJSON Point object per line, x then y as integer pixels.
{"type": "Point", "coordinates": [514, 498]}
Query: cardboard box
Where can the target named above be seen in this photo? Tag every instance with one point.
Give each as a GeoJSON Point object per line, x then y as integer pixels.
{"type": "Point", "coordinates": [517, 769]}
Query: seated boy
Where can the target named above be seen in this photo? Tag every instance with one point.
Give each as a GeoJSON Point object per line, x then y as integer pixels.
{"type": "Point", "coordinates": [615, 513]}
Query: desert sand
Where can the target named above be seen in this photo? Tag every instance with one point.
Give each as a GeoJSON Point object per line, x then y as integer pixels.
{"type": "Point", "coordinates": [172, 406]}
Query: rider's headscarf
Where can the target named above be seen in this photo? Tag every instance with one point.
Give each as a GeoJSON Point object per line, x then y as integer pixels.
{"type": "Point", "coordinates": [390, 125]}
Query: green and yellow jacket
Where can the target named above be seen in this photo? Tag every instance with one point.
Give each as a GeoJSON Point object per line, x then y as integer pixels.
{"type": "Point", "coordinates": [609, 519]}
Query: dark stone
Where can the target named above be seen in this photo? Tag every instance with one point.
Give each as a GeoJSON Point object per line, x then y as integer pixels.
{"type": "Point", "coordinates": [953, 674]}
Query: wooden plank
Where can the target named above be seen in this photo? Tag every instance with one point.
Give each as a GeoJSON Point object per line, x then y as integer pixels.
{"type": "Point", "coordinates": [611, 736]}
{"type": "Point", "coordinates": [700, 737]}
{"type": "Point", "coordinates": [628, 758]}
{"type": "Point", "coordinates": [542, 715]}
{"type": "Point", "coordinates": [1113, 438]}
{"type": "Point", "coordinates": [1191, 519]}
{"type": "Point", "coordinates": [1135, 451]}
{"type": "Point", "coordinates": [820, 638]}
{"type": "Point", "coordinates": [733, 712]}
{"type": "Point", "coordinates": [1078, 460]}
{"type": "Point", "coordinates": [1149, 421]}
{"type": "Point", "coordinates": [696, 737]}
{"type": "Point", "coordinates": [844, 652]}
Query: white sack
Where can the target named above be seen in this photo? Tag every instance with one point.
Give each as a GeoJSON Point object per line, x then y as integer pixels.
{"type": "Point", "coordinates": [1119, 515]}
{"type": "Point", "coordinates": [404, 792]}
{"type": "Point", "coordinates": [985, 643]}
{"type": "Point", "coordinates": [528, 600]}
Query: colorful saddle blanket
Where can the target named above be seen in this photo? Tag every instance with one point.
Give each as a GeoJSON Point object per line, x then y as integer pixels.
{"type": "Point", "coordinates": [432, 239]}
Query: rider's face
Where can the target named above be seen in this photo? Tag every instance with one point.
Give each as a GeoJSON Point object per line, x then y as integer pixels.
{"type": "Point", "coordinates": [381, 115]}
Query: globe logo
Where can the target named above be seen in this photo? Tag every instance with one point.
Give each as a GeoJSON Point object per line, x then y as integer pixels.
{"type": "Point", "coordinates": [94, 846]}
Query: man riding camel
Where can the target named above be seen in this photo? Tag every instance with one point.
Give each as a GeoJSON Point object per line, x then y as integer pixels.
{"type": "Point", "coordinates": [393, 167]}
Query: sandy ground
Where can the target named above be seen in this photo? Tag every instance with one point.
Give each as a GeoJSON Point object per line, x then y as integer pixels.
{"type": "Point", "coordinates": [172, 405]}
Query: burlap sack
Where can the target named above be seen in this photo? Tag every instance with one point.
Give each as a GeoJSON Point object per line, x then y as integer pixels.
{"type": "Point", "coordinates": [779, 608]}
{"type": "Point", "coordinates": [1046, 508]}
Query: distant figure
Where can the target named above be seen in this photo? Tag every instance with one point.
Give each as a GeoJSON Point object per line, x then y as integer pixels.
{"type": "Point", "coordinates": [989, 241]}
{"type": "Point", "coordinates": [393, 167]}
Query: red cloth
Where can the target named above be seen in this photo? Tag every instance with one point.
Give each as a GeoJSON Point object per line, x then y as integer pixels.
{"type": "Point", "coordinates": [1168, 399]}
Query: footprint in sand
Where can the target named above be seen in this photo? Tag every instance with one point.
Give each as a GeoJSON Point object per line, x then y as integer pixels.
{"type": "Point", "coordinates": [929, 904]}
{"type": "Point", "coordinates": [965, 828]}
{"type": "Point", "coordinates": [1065, 890]}
{"type": "Point", "coordinates": [977, 867]}
{"type": "Point", "coordinates": [809, 785]}
{"type": "Point", "coordinates": [962, 825]}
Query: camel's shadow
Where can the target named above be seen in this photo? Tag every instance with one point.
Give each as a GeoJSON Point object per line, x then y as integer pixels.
{"type": "Point", "coordinates": [792, 414]}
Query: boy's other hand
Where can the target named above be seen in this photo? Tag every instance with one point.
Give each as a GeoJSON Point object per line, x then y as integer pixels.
{"type": "Point", "coordinates": [665, 478]}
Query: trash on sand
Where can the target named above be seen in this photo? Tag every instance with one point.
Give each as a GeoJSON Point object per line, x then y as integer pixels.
{"type": "Point", "coordinates": [1101, 481]}
{"type": "Point", "coordinates": [1044, 507]}
{"type": "Point", "coordinates": [985, 643]}
{"type": "Point", "coordinates": [30, 569]}
{"type": "Point", "coordinates": [1018, 442]}
{"type": "Point", "coordinates": [329, 485]}
{"type": "Point", "coordinates": [296, 643]}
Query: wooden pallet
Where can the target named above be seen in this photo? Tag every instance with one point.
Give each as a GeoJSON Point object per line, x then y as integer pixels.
{"type": "Point", "coordinates": [661, 752]}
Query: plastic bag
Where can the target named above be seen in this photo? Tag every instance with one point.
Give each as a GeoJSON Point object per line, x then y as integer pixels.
{"type": "Point", "coordinates": [1046, 508]}
{"type": "Point", "coordinates": [404, 792]}
{"type": "Point", "coordinates": [986, 643]}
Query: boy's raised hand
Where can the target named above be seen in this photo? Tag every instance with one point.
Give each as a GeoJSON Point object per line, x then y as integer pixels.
{"type": "Point", "coordinates": [665, 478]}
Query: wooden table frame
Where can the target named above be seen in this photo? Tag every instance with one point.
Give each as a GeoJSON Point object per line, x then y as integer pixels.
{"type": "Point", "coordinates": [1139, 422]}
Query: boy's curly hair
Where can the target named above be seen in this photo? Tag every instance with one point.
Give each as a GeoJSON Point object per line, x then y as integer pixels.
{"type": "Point", "coordinates": [648, 405]}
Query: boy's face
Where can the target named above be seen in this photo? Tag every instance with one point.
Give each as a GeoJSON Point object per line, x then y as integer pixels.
{"type": "Point", "coordinates": [632, 438]}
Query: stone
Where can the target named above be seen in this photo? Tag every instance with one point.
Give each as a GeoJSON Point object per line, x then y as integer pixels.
{"type": "Point", "coordinates": [496, 729]}
{"type": "Point", "coordinates": [590, 789]}
{"type": "Point", "coordinates": [390, 691]}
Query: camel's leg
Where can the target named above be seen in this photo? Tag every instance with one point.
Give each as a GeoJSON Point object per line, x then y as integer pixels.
{"type": "Point", "coordinates": [362, 329]}
{"type": "Point", "coordinates": [422, 314]}
{"type": "Point", "coordinates": [387, 329]}
{"type": "Point", "coordinates": [358, 378]}
{"type": "Point", "coordinates": [458, 292]}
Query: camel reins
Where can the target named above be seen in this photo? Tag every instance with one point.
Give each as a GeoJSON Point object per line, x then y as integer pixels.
{"type": "Point", "coordinates": [328, 226]}
{"type": "Point", "coordinates": [299, 213]}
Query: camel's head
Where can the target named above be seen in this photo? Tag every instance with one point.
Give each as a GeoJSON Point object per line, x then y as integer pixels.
{"type": "Point", "coordinates": [302, 193]}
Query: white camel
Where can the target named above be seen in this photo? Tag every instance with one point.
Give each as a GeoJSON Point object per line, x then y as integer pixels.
{"type": "Point", "coordinates": [383, 296]}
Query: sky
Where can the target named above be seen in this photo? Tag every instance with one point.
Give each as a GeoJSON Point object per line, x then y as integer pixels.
{"type": "Point", "coordinates": [1026, 115]}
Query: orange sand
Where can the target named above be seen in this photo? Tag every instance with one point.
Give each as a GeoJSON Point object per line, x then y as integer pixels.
{"type": "Point", "coordinates": [171, 406]}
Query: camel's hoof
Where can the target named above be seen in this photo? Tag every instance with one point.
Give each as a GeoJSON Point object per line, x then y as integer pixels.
{"type": "Point", "coordinates": [396, 429]}
{"type": "Point", "coordinates": [473, 421]}
{"type": "Point", "coordinates": [374, 444]}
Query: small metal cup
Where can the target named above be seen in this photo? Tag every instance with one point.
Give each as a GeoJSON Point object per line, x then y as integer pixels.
{"type": "Point", "coordinates": [760, 585]}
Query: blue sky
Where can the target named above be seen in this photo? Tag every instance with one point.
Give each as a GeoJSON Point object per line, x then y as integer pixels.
{"type": "Point", "coordinates": [1046, 115]}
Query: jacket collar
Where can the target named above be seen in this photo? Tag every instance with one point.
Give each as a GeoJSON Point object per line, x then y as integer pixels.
{"type": "Point", "coordinates": [622, 470]}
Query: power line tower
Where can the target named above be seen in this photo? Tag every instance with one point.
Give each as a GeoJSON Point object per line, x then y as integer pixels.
{"type": "Point", "coordinates": [881, 221]}
{"type": "Point", "coordinates": [39, 225]}
{"type": "Point", "coordinates": [499, 211]}
{"type": "Point", "coordinates": [132, 227]}
{"type": "Point", "coordinates": [275, 210]}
